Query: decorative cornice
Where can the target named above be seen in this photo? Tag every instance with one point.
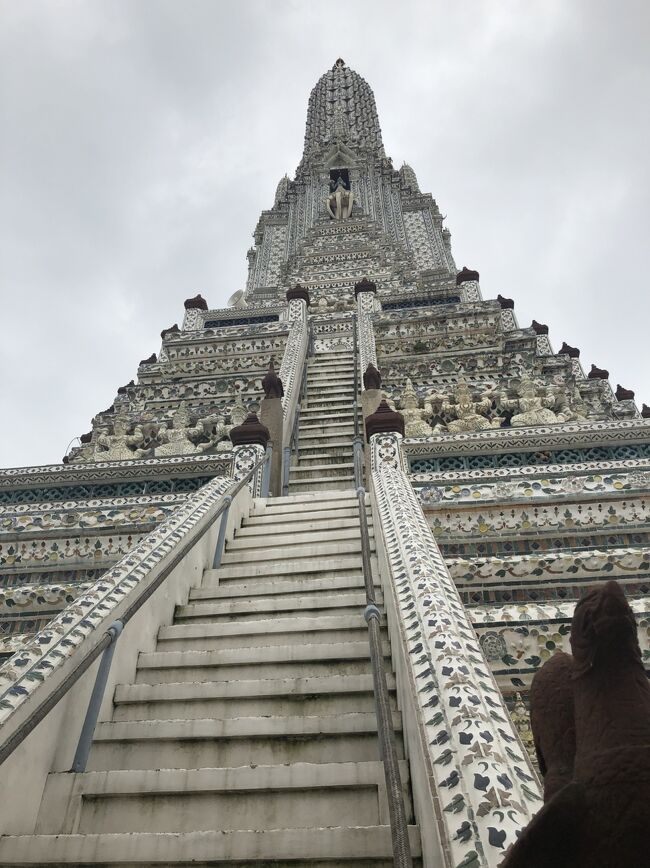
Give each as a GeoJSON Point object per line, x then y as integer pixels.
{"type": "Point", "coordinates": [196, 303]}
{"type": "Point", "coordinates": [114, 471]}
{"type": "Point", "coordinates": [250, 432]}
{"type": "Point", "coordinates": [384, 421]}
{"type": "Point", "coordinates": [541, 436]}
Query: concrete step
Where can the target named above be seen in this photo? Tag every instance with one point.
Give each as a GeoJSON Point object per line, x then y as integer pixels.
{"type": "Point", "coordinates": [280, 588]}
{"type": "Point", "coordinates": [322, 483]}
{"type": "Point", "coordinates": [187, 800]}
{"type": "Point", "coordinates": [287, 629]}
{"type": "Point", "coordinates": [330, 501]}
{"type": "Point", "coordinates": [256, 607]}
{"type": "Point", "coordinates": [308, 510]}
{"type": "Point", "coordinates": [291, 537]}
{"type": "Point", "coordinates": [289, 552]}
{"type": "Point", "coordinates": [273, 661]}
{"type": "Point", "coordinates": [331, 402]}
{"type": "Point", "coordinates": [315, 414]}
{"type": "Point", "coordinates": [328, 426]}
{"type": "Point", "coordinates": [323, 567]}
{"type": "Point", "coordinates": [226, 708]}
{"type": "Point", "coordinates": [207, 743]}
{"type": "Point", "coordinates": [319, 459]}
{"type": "Point", "coordinates": [261, 528]}
{"type": "Point", "coordinates": [270, 697]}
{"type": "Point", "coordinates": [313, 470]}
{"type": "Point", "coordinates": [356, 847]}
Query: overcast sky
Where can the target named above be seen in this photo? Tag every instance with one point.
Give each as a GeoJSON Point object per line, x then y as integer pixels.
{"type": "Point", "coordinates": [140, 140]}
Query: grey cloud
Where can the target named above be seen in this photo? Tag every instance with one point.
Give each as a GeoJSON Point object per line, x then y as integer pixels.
{"type": "Point", "coordinates": [141, 140]}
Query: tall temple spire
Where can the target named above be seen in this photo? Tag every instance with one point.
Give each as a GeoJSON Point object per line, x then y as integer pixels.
{"type": "Point", "coordinates": [342, 107]}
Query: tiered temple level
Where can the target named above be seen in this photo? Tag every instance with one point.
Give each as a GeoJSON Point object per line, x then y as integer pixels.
{"type": "Point", "coordinates": [520, 481]}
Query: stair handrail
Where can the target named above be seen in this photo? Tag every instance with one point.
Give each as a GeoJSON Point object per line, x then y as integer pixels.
{"type": "Point", "coordinates": [357, 443]}
{"type": "Point", "coordinates": [292, 446]}
{"type": "Point", "coordinates": [109, 636]}
{"type": "Point", "coordinates": [372, 616]}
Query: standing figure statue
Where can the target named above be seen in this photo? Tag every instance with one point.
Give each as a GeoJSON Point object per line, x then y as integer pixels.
{"type": "Point", "coordinates": [590, 715]}
{"type": "Point", "coordinates": [340, 200]}
{"type": "Point", "coordinates": [415, 424]}
{"type": "Point", "coordinates": [120, 446]}
{"type": "Point", "coordinates": [534, 408]}
{"type": "Point", "coordinates": [467, 414]}
{"type": "Point", "coordinates": [174, 440]}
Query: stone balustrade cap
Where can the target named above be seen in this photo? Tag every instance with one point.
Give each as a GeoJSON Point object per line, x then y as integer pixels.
{"type": "Point", "coordinates": [298, 292]}
{"type": "Point", "coordinates": [466, 274]}
{"type": "Point", "coordinates": [571, 352]}
{"type": "Point", "coordinates": [371, 378]}
{"type": "Point", "coordinates": [505, 303]}
{"type": "Point", "coordinates": [384, 421]}
{"type": "Point", "coordinates": [364, 285]}
{"type": "Point", "coordinates": [250, 432]}
{"type": "Point", "coordinates": [172, 330]}
{"type": "Point", "coordinates": [539, 328]}
{"type": "Point", "coordinates": [597, 373]}
{"type": "Point", "coordinates": [623, 394]}
{"type": "Point", "coordinates": [196, 303]}
{"type": "Point", "coordinates": [153, 358]}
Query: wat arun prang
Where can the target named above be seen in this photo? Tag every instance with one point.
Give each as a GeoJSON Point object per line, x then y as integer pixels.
{"type": "Point", "coordinates": [532, 471]}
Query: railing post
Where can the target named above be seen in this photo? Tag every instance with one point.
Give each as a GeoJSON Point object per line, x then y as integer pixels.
{"type": "Point", "coordinates": [285, 470]}
{"type": "Point", "coordinates": [87, 730]}
{"type": "Point", "coordinates": [385, 732]}
{"type": "Point", "coordinates": [357, 446]}
{"type": "Point", "coordinates": [221, 538]}
{"type": "Point", "coordinates": [266, 475]}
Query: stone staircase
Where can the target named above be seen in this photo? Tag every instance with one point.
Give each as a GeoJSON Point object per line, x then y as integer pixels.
{"type": "Point", "coordinates": [248, 736]}
{"type": "Point", "coordinates": [326, 429]}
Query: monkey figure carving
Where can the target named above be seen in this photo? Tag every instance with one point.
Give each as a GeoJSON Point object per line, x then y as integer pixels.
{"type": "Point", "coordinates": [601, 818]}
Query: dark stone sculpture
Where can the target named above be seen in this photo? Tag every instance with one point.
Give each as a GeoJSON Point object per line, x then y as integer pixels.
{"type": "Point", "coordinates": [272, 384]}
{"type": "Point", "coordinates": [566, 350]}
{"type": "Point", "coordinates": [123, 389]}
{"type": "Point", "coordinates": [552, 722]}
{"type": "Point", "coordinates": [466, 274]}
{"type": "Point", "coordinates": [371, 378]}
{"type": "Point", "coordinates": [172, 330]}
{"type": "Point", "coordinates": [196, 303]}
{"type": "Point", "coordinates": [506, 303]}
{"type": "Point", "coordinates": [150, 361]}
{"type": "Point", "coordinates": [623, 394]}
{"type": "Point", "coordinates": [298, 292]}
{"type": "Point", "coordinates": [383, 421]}
{"type": "Point", "coordinates": [364, 285]}
{"type": "Point", "coordinates": [250, 432]}
{"type": "Point", "coordinates": [539, 327]}
{"type": "Point", "coordinates": [601, 817]}
{"type": "Point", "coordinates": [645, 411]}
{"type": "Point", "coordinates": [597, 373]}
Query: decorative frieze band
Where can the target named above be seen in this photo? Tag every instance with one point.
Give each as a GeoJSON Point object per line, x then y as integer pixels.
{"type": "Point", "coordinates": [484, 779]}
{"type": "Point", "coordinates": [30, 669]}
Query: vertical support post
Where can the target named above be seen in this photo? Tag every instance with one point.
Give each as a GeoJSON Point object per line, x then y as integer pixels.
{"type": "Point", "coordinates": [221, 538]}
{"type": "Point", "coordinates": [385, 732]}
{"type": "Point", "coordinates": [285, 470]}
{"type": "Point", "coordinates": [87, 730]}
{"type": "Point", "coordinates": [357, 446]}
{"type": "Point", "coordinates": [266, 475]}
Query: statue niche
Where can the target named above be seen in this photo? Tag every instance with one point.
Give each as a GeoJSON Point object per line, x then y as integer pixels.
{"type": "Point", "coordinates": [341, 198]}
{"type": "Point", "coordinates": [464, 411]}
{"type": "Point", "coordinates": [415, 424]}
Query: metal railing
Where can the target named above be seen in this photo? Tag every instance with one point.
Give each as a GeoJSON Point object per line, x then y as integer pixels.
{"type": "Point", "coordinates": [357, 443]}
{"type": "Point", "coordinates": [372, 616]}
{"type": "Point", "coordinates": [292, 446]}
{"type": "Point", "coordinates": [106, 645]}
